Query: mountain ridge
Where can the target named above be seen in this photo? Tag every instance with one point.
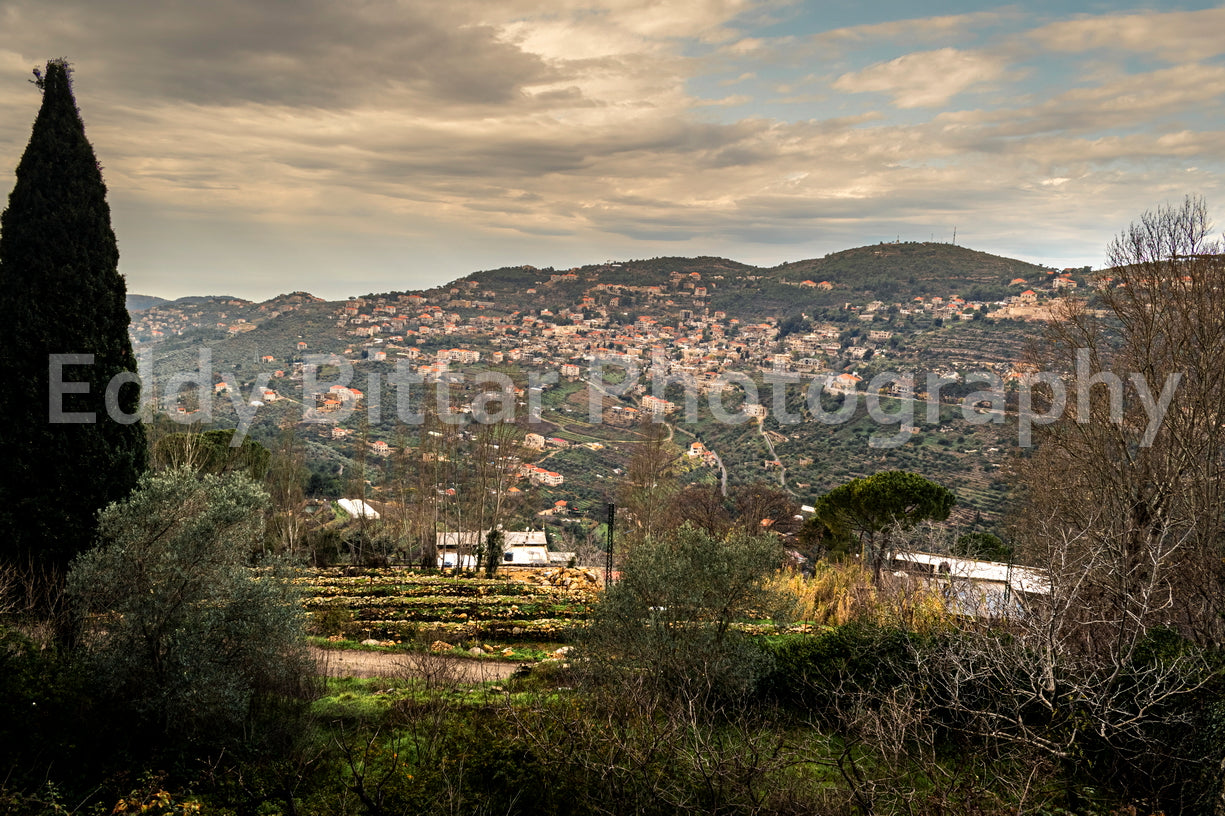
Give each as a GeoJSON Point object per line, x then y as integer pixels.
{"type": "Point", "coordinates": [875, 269]}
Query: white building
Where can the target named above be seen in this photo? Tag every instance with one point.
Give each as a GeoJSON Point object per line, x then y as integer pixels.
{"type": "Point", "coordinates": [358, 508]}
{"type": "Point", "coordinates": [527, 548]}
{"type": "Point", "coordinates": [978, 589]}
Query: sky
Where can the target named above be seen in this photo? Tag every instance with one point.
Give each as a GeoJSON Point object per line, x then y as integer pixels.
{"type": "Point", "coordinates": [255, 147]}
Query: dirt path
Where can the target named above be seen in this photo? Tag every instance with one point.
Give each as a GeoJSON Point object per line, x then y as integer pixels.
{"type": "Point", "coordinates": [431, 667]}
{"type": "Point", "coordinates": [782, 471]}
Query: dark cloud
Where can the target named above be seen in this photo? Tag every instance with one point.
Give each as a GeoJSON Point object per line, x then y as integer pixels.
{"type": "Point", "coordinates": [523, 157]}
{"type": "Point", "coordinates": [310, 53]}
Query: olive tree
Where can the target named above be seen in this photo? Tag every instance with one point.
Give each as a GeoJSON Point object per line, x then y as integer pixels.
{"type": "Point", "coordinates": [668, 721]}
{"type": "Point", "coordinates": [669, 620]}
{"type": "Point", "coordinates": [176, 626]}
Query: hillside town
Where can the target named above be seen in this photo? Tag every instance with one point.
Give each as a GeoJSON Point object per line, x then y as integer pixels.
{"type": "Point", "coordinates": [673, 331]}
{"type": "Point", "coordinates": [634, 351]}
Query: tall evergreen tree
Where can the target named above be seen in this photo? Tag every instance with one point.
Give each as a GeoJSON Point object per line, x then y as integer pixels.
{"type": "Point", "coordinates": [64, 455]}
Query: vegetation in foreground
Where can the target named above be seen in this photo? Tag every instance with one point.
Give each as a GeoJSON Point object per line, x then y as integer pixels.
{"type": "Point", "coordinates": [662, 705]}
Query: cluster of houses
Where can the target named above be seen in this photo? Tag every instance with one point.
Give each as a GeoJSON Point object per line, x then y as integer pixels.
{"type": "Point", "coordinates": [677, 339]}
{"type": "Point", "coordinates": [541, 476]}
{"type": "Point", "coordinates": [230, 315]}
{"type": "Point", "coordinates": [672, 332]}
{"type": "Point", "coordinates": [680, 337]}
{"type": "Point", "coordinates": [699, 451]}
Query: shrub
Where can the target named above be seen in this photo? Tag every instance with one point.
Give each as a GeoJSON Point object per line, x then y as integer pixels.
{"type": "Point", "coordinates": [177, 629]}
{"type": "Point", "coordinates": [668, 622]}
{"type": "Point", "coordinates": [843, 592]}
{"type": "Point", "coordinates": [40, 718]}
{"type": "Point", "coordinates": [813, 671]}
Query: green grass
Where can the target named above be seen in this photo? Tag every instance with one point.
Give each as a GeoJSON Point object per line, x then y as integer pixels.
{"type": "Point", "coordinates": [358, 698]}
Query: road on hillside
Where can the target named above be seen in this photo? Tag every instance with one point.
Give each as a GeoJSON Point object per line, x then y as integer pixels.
{"type": "Point", "coordinates": [782, 471]}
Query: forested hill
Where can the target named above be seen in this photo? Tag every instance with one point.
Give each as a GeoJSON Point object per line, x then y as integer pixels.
{"type": "Point", "coordinates": [888, 272]}
{"type": "Point", "coordinates": [902, 271]}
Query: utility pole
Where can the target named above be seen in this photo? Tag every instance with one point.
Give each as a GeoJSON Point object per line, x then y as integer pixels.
{"type": "Point", "coordinates": [608, 557]}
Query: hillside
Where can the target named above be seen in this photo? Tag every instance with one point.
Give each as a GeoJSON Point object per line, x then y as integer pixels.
{"type": "Point", "coordinates": [138, 303]}
{"type": "Point", "coordinates": [887, 272]}
{"type": "Point", "coordinates": [896, 272]}
{"type": "Point", "coordinates": [947, 309]}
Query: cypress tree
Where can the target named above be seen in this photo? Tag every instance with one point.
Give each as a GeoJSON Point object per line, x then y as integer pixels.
{"type": "Point", "coordinates": [63, 457]}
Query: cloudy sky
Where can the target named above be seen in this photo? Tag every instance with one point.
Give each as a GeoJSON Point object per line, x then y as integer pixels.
{"type": "Point", "coordinates": [260, 146]}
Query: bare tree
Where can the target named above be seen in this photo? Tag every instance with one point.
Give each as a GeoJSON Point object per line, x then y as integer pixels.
{"type": "Point", "coordinates": [397, 516]}
{"type": "Point", "coordinates": [454, 483]}
{"type": "Point", "coordinates": [1133, 472]}
{"type": "Point", "coordinates": [893, 757]}
{"type": "Point", "coordinates": [286, 474]}
{"type": "Point", "coordinates": [646, 492]}
{"type": "Point", "coordinates": [584, 541]}
{"type": "Point", "coordinates": [442, 481]}
{"type": "Point", "coordinates": [495, 458]}
{"type": "Point", "coordinates": [762, 506]}
{"type": "Point", "coordinates": [357, 488]}
{"type": "Point", "coordinates": [429, 475]}
{"type": "Point", "coordinates": [1124, 510]}
{"type": "Point", "coordinates": [703, 506]}
{"type": "Point", "coordinates": [169, 450]}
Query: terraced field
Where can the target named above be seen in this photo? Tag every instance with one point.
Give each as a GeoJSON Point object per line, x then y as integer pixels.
{"type": "Point", "coordinates": [401, 604]}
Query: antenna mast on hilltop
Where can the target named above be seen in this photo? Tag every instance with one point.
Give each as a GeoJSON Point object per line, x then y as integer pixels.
{"type": "Point", "coordinates": [954, 235]}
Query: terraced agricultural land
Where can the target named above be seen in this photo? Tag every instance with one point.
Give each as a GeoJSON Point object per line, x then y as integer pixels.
{"type": "Point", "coordinates": [403, 605]}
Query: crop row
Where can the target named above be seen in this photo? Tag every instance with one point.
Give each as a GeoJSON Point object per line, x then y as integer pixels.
{"type": "Point", "coordinates": [394, 604]}
{"type": "Point", "coordinates": [363, 590]}
{"type": "Point", "coordinates": [529, 607]}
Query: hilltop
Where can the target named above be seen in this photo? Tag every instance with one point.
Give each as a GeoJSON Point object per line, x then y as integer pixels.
{"type": "Point", "coordinates": [138, 303]}
{"type": "Point", "coordinates": [888, 271]}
